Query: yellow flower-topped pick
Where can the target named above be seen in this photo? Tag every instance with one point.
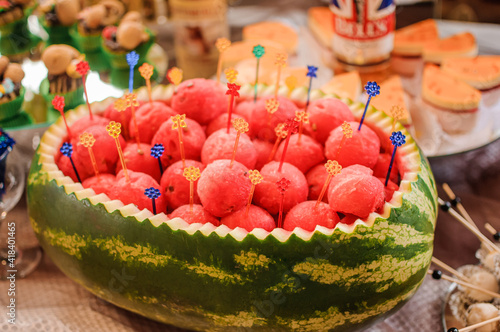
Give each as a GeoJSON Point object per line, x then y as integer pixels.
{"type": "Point", "coordinates": [347, 131]}
{"type": "Point", "coordinates": [256, 178]}
{"type": "Point", "coordinates": [146, 71]}
{"type": "Point", "coordinates": [280, 62]}
{"type": "Point", "coordinates": [222, 45]}
{"type": "Point", "coordinates": [232, 91]}
{"type": "Point", "coordinates": [179, 122]}
{"type": "Point", "coordinates": [174, 76]}
{"type": "Point", "coordinates": [120, 105]}
{"type": "Point", "coordinates": [272, 105]}
{"type": "Point", "coordinates": [291, 84]}
{"type": "Point", "coordinates": [301, 117]}
{"type": "Point", "coordinates": [88, 140]}
{"type": "Point", "coordinates": [241, 126]}
{"type": "Point", "coordinates": [114, 130]}
{"type": "Point", "coordinates": [191, 174]}
{"type": "Point", "coordinates": [333, 168]}
{"type": "Point", "coordinates": [231, 74]}
{"type": "Point", "coordinates": [132, 102]}
{"type": "Point", "coordinates": [281, 133]}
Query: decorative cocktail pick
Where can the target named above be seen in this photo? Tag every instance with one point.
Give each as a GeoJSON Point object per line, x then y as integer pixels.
{"type": "Point", "coordinates": [291, 127]}
{"type": "Point", "coordinates": [132, 102]}
{"type": "Point", "coordinates": [449, 269]}
{"type": "Point", "coordinates": [347, 131]}
{"type": "Point", "coordinates": [311, 73]}
{"type": "Point", "coordinates": [83, 68]}
{"type": "Point", "coordinates": [191, 174]}
{"type": "Point", "coordinates": [493, 231]}
{"type": "Point", "coordinates": [232, 91]}
{"type": "Point", "coordinates": [174, 76]}
{"type": "Point", "coordinates": [272, 105]}
{"type": "Point", "coordinates": [397, 114]}
{"type": "Point", "coordinates": [397, 139]}
{"type": "Point", "coordinates": [231, 74]}
{"type": "Point", "coordinates": [132, 59]}
{"type": "Point", "coordinates": [120, 105]}
{"type": "Point", "coordinates": [372, 89]}
{"type": "Point", "coordinates": [283, 185]}
{"type": "Point", "coordinates": [146, 71]}
{"type": "Point", "coordinates": [88, 140]}
{"type": "Point", "coordinates": [291, 83]}
{"type": "Point", "coordinates": [301, 117]}
{"type": "Point", "coordinates": [280, 134]}
{"type": "Point", "coordinates": [256, 178]}
{"type": "Point", "coordinates": [456, 201]}
{"type": "Point", "coordinates": [475, 326]}
{"type": "Point", "coordinates": [222, 45]}
{"type": "Point", "coordinates": [114, 130]}
{"type": "Point", "coordinates": [258, 52]}
{"type": "Point", "coordinates": [241, 126]}
{"type": "Point", "coordinates": [447, 207]}
{"type": "Point", "coordinates": [438, 275]}
{"type": "Point", "coordinates": [152, 193]}
{"type": "Point", "coordinates": [67, 150]}
{"type": "Point", "coordinates": [58, 103]}
{"type": "Point", "coordinates": [280, 62]}
{"type": "Point", "coordinates": [333, 168]}
{"type": "Point", "coordinates": [156, 152]}
{"type": "Point", "coordinates": [179, 122]}
{"type": "Point", "coordinates": [6, 145]}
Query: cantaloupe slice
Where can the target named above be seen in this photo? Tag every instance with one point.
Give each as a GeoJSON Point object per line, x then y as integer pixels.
{"type": "Point", "coordinates": [275, 31]}
{"type": "Point", "coordinates": [268, 72]}
{"type": "Point", "coordinates": [482, 72]}
{"type": "Point", "coordinates": [448, 92]}
{"type": "Point", "coordinates": [320, 22]}
{"type": "Point", "coordinates": [347, 85]}
{"type": "Point", "coordinates": [410, 40]}
{"type": "Point", "coordinates": [392, 94]}
{"type": "Point", "coordinates": [242, 50]}
{"type": "Point", "coordinates": [459, 45]}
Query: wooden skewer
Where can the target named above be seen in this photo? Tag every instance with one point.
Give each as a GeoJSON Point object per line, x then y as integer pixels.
{"type": "Point", "coordinates": [460, 206]}
{"type": "Point", "coordinates": [474, 230]}
{"type": "Point", "coordinates": [475, 326]}
{"type": "Point", "coordinates": [468, 285]}
{"type": "Point", "coordinates": [490, 229]}
{"type": "Point", "coordinates": [449, 269]}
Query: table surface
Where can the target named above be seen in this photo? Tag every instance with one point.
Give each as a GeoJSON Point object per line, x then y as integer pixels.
{"type": "Point", "coordinates": [49, 301]}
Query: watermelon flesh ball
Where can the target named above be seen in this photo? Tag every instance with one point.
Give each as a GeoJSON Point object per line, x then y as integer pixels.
{"type": "Point", "coordinates": [200, 99]}
{"type": "Point", "coordinates": [256, 218]}
{"type": "Point", "coordinates": [382, 167]}
{"type": "Point", "coordinates": [220, 122]}
{"type": "Point", "coordinates": [264, 149]}
{"type": "Point", "coordinates": [82, 124]}
{"type": "Point", "coordinates": [356, 192]}
{"type": "Point", "coordinates": [259, 121]}
{"type": "Point", "coordinates": [316, 179]}
{"type": "Point", "coordinates": [362, 148]}
{"type": "Point", "coordinates": [303, 155]}
{"type": "Point", "coordinates": [100, 184]}
{"type": "Point", "coordinates": [133, 192]}
{"type": "Point", "coordinates": [324, 116]}
{"type": "Point", "coordinates": [193, 138]}
{"type": "Point", "coordinates": [267, 194]}
{"type": "Point", "coordinates": [137, 162]}
{"type": "Point", "coordinates": [197, 215]}
{"type": "Point", "coordinates": [389, 189]}
{"type": "Point", "coordinates": [223, 189]}
{"type": "Point", "coordinates": [245, 109]}
{"type": "Point", "coordinates": [306, 216]}
{"type": "Point", "coordinates": [220, 145]}
{"type": "Point", "coordinates": [149, 118]}
{"type": "Point", "coordinates": [122, 117]}
{"type": "Point", "coordinates": [175, 187]}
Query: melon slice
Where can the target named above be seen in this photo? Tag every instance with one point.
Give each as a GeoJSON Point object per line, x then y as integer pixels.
{"type": "Point", "coordinates": [410, 40]}
{"type": "Point", "coordinates": [242, 50]}
{"type": "Point", "coordinates": [446, 91]}
{"type": "Point", "coordinates": [392, 94]}
{"type": "Point", "coordinates": [481, 72]}
{"type": "Point", "coordinates": [275, 31]}
{"type": "Point", "coordinates": [459, 45]}
{"type": "Point", "coordinates": [347, 85]}
{"type": "Point", "coordinates": [320, 22]}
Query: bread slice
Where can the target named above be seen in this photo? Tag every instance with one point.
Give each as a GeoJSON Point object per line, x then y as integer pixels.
{"type": "Point", "coordinates": [481, 72]}
{"type": "Point", "coordinates": [320, 22]}
{"type": "Point", "coordinates": [410, 40]}
{"type": "Point", "coordinates": [392, 94]}
{"type": "Point", "coordinates": [347, 85]}
{"type": "Point", "coordinates": [275, 31]}
{"type": "Point", "coordinates": [447, 92]}
{"type": "Point", "coordinates": [459, 45]}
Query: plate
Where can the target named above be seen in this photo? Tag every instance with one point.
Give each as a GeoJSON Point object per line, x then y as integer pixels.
{"type": "Point", "coordinates": [447, 317]}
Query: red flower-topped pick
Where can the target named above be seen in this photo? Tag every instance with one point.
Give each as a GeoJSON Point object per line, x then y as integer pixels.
{"type": "Point", "coordinates": [333, 168]}
{"type": "Point", "coordinates": [232, 91]}
{"type": "Point", "coordinates": [58, 104]}
{"type": "Point", "coordinates": [179, 122]}
{"type": "Point", "coordinates": [291, 127]}
{"type": "Point", "coordinates": [256, 178]}
{"type": "Point", "coordinates": [241, 126]}
{"type": "Point", "coordinates": [282, 185]}
{"type": "Point", "coordinates": [281, 133]}
{"type": "Point", "coordinates": [83, 68]}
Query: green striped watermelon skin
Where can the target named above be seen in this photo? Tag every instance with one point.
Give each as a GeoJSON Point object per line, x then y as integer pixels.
{"type": "Point", "coordinates": [338, 281]}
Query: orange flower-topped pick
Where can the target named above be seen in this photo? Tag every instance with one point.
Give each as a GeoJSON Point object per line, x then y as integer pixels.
{"type": "Point", "coordinates": [191, 174]}
{"type": "Point", "coordinates": [281, 133]}
{"type": "Point", "coordinates": [83, 68]}
{"type": "Point", "coordinates": [174, 76]}
{"type": "Point", "coordinates": [231, 74]}
{"type": "Point", "coordinates": [301, 117]}
{"type": "Point", "coordinates": [58, 104]}
{"type": "Point", "coordinates": [88, 140]}
{"type": "Point", "coordinates": [333, 168]}
{"type": "Point", "coordinates": [146, 71]}
{"type": "Point", "coordinates": [232, 91]}
{"type": "Point", "coordinates": [241, 126]}
{"type": "Point", "coordinates": [132, 102]}
{"type": "Point", "coordinates": [114, 130]}
{"type": "Point", "coordinates": [272, 105]}
{"type": "Point", "coordinates": [291, 127]}
{"type": "Point", "coordinates": [179, 122]}
{"type": "Point", "coordinates": [282, 185]}
{"type": "Point", "coordinates": [256, 178]}
{"type": "Point", "coordinates": [120, 105]}
{"type": "Point", "coordinates": [397, 114]}
{"type": "Point", "coordinates": [291, 84]}
{"type": "Point", "coordinates": [280, 62]}
{"type": "Point", "coordinates": [222, 45]}
{"type": "Point", "coordinates": [347, 131]}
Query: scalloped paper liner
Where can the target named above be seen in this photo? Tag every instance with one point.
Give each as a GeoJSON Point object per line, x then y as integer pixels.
{"type": "Point", "coordinates": [53, 138]}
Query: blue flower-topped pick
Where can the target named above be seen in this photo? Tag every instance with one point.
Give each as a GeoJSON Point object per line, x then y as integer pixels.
{"type": "Point", "coordinates": [156, 152]}
{"type": "Point", "coordinates": [67, 150]}
{"type": "Point", "coordinates": [311, 73]}
{"type": "Point", "coordinates": [258, 52]}
{"type": "Point", "coordinates": [372, 90]}
{"type": "Point", "coordinates": [8, 85]}
{"type": "Point", "coordinates": [132, 59]}
{"type": "Point", "coordinates": [397, 139]}
{"type": "Point", "coordinates": [152, 193]}
{"type": "Point", "coordinates": [6, 144]}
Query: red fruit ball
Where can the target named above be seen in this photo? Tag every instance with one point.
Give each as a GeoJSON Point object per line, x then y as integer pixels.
{"type": "Point", "coordinates": [303, 155]}
{"type": "Point", "coordinates": [223, 189]}
{"type": "Point", "coordinates": [149, 118]}
{"type": "Point", "coordinates": [245, 109]}
{"type": "Point", "coordinates": [382, 167]}
{"type": "Point", "coordinates": [362, 148]}
{"type": "Point", "coordinates": [264, 149]}
{"type": "Point", "coordinates": [256, 218]}
{"type": "Point", "coordinates": [197, 215]}
{"type": "Point", "coordinates": [140, 162]}
{"type": "Point", "coordinates": [175, 186]}
{"type": "Point", "coordinates": [316, 179]}
{"type": "Point", "coordinates": [307, 216]}
{"type": "Point", "coordinates": [220, 145]}
{"type": "Point", "coordinates": [259, 122]}
{"type": "Point", "coordinates": [389, 189]}
{"type": "Point", "coordinates": [83, 123]}
{"type": "Point", "coordinates": [100, 184]}
{"type": "Point", "coordinates": [200, 99]}
{"type": "Point", "coordinates": [220, 122]}
{"type": "Point", "coordinates": [324, 116]}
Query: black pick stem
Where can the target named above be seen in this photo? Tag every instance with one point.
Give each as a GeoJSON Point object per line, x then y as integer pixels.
{"type": "Point", "coordinates": [74, 169]}
{"type": "Point", "coordinates": [161, 167]}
